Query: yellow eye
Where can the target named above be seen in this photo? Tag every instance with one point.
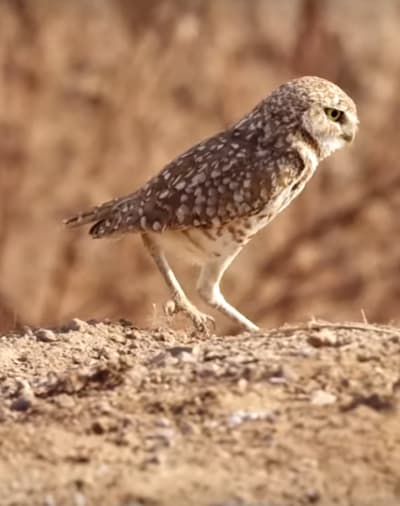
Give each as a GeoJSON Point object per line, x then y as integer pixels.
{"type": "Point", "coordinates": [333, 114]}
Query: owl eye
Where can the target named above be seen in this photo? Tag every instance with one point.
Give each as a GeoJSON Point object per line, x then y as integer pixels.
{"type": "Point", "coordinates": [333, 114]}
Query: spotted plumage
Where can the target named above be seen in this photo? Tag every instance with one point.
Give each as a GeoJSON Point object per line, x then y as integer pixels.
{"type": "Point", "coordinates": [214, 197]}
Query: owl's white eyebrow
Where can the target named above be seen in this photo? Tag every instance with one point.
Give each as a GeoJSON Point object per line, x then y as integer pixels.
{"type": "Point", "coordinates": [352, 117]}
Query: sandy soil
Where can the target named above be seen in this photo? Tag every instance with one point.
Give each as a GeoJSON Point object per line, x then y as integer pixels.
{"type": "Point", "coordinates": [104, 413]}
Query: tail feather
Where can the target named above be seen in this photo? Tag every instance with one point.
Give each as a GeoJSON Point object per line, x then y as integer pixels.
{"type": "Point", "coordinates": [105, 226]}
{"type": "Point", "coordinates": [94, 214]}
{"type": "Point", "coordinates": [106, 218]}
{"type": "Point", "coordinates": [99, 212]}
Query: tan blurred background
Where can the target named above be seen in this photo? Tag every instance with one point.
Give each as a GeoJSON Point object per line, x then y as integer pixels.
{"type": "Point", "coordinates": [97, 95]}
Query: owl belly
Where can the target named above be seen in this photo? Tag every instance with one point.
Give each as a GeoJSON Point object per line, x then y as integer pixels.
{"type": "Point", "coordinates": [197, 245]}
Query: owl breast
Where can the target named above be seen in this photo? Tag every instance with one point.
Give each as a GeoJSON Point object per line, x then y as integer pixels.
{"type": "Point", "coordinates": [286, 192]}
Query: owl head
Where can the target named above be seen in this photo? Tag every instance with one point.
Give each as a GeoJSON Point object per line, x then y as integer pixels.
{"type": "Point", "coordinates": [327, 114]}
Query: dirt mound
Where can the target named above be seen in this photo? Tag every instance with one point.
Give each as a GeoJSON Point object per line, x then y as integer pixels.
{"type": "Point", "coordinates": [109, 414]}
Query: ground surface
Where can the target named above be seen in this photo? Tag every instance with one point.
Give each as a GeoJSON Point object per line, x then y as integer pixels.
{"type": "Point", "coordinates": [108, 414]}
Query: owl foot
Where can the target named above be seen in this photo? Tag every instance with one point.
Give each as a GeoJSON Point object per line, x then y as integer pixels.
{"type": "Point", "coordinates": [202, 322]}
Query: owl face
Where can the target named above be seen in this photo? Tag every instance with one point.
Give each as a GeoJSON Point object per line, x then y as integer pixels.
{"type": "Point", "coordinates": [332, 121]}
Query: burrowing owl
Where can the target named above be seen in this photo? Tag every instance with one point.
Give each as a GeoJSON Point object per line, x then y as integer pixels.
{"type": "Point", "coordinates": [213, 198]}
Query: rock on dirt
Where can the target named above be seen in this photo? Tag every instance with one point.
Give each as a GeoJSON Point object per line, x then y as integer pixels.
{"type": "Point", "coordinates": [108, 414]}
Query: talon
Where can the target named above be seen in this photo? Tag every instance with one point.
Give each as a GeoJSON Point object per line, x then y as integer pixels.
{"type": "Point", "coordinates": [201, 321]}
{"type": "Point", "coordinates": [170, 308]}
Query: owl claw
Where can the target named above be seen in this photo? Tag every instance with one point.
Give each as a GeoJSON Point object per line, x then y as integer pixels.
{"type": "Point", "coordinates": [202, 322]}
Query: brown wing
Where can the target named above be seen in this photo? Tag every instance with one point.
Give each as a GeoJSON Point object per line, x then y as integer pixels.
{"type": "Point", "coordinates": [222, 178]}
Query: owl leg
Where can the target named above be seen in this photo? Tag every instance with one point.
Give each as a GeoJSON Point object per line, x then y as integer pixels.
{"type": "Point", "coordinates": [179, 302]}
{"type": "Point", "coordinates": [208, 288]}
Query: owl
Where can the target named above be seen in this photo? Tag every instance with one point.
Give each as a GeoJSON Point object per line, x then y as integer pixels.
{"type": "Point", "coordinates": [211, 200]}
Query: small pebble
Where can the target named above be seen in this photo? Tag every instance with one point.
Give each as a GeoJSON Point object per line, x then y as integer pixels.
{"type": "Point", "coordinates": [45, 335]}
{"type": "Point", "coordinates": [323, 337]}
{"type": "Point", "coordinates": [79, 499]}
{"type": "Point", "coordinates": [49, 500]}
{"type": "Point", "coordinates": [313, 495]}
{"type": "Point", "coordinates": [65, 401]}
{"type": "Point", "coordinates": [240, 416]}
{"type": "Point", "coordinates": [27, 331]}
{"type": "Point", "coordinates": [242, 385]}
{"type": "Point", "coordinates": [177, 351]}
{"type": "Point", "coordinates": [322, 398]}
{"type": "Point", "coordinates": [101, 425]}
{"type": "Point", "coordinates": [21, 404]}
{"type": "Point", "coordinates": [74, 324]}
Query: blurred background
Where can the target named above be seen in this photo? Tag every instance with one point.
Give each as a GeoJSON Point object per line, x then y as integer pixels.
{"type": "Point", "coordinates": [96, 96]}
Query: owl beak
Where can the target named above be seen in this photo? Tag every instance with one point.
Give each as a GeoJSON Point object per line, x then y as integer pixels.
{"type": "Point", "coordinates": [349, 133]}
{"type": "Point", "coordinates": [350, 128]}
{"type": "Point", "coordinates": [349, 136]}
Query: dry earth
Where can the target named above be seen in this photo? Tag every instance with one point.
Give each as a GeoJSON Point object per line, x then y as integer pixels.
{"type": "Point", "coordinates": [104, 413]}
